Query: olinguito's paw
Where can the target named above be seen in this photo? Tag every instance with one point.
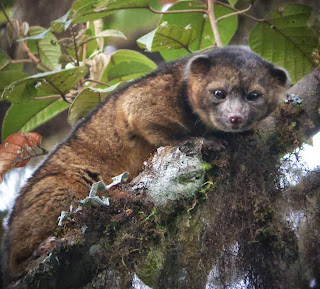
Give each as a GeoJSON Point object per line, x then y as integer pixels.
{"type": "Point", "coordinates": [213, 145]}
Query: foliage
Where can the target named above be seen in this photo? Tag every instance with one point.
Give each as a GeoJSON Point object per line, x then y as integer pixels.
{"type": "Point", "coordinates": [284, 37]}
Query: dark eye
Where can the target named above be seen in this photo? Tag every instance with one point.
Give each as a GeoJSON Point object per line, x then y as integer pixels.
{"type": "Point", "coordinates": [219, 94]}
{"type": "Point", "coordinates": [253, 96]}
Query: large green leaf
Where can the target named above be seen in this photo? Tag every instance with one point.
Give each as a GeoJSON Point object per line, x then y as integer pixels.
{"type": "Point", "coordinates": [52, 82]}
{"type": "Point", "coordinates": [201, 25]}
{"type": "Point", "coordinates": [9, 72]}
{"type": "Point", "coordinates": [42, 42]}
{"type": "Point", "coordinates": [104, 34]}
{"type": "Point", "coordinates": [168, 37]}
{"type": "Point", "coordinates": [8, 77]}
{"type": "Point", "coordinates": [126, 65]}
{"type": "Point", "coordinates": [26, 117]}
{"type": "Point", "coordinates": [98, 9]}
{"type": "Point", "coordinates": [287, 41]}
{"type": "Point", "coordinates": [86, 101]}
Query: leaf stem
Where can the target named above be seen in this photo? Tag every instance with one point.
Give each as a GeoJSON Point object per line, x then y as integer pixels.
{"type": "Point", "coordinates": [63, 96]}
{"type": "Point", "coordinates": [75, 45]}
{"type": "Point", "coordinates": [48, 97]}
{"type": "Point", "coordinates": [95, 81]}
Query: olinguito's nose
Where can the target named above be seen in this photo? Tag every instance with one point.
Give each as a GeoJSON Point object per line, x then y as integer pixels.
{"type": "Point", "coordinates": [235, 119]}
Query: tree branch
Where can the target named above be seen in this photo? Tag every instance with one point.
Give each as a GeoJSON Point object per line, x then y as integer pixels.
{"type": "Point", "coordinates": [21, 61]}
{"type": "Point", "coordinates": [214, 22]}
{"type": "Point", "coordinates": [235, 13]}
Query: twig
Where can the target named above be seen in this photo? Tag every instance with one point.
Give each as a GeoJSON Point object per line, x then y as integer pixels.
{"type": "Point", "coordinates": [75, 45]}
{"type": "Point", "coordinates": [20, 60]}
{"type": "Point", "coordinates": [234, 13]}
{"type": "Point", "coordinates": [84, 54]}
{"type": "Point", "coordinates": [214, 22]}
{"type": "Point", "coordinates": [63, 96]}
{"type": "Point", "coordinates": [34, 58]}
{"type": "Point", "coordinates": [234, 9]}
{"type": "Point", "coordinates": [177, 11]}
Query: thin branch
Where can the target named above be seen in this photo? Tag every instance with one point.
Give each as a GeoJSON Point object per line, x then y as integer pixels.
{"type": "Point", "coordinates": [34, 58]}
{"type": "Point", "coordinates": [63, 96]}
{"type": "Point", "coordinates": [234, 13]}
{"type": "Point", "coordinates": [6, 16]}
{"type": "Point", "coordinates": [84, 54]}
{"type": "Point", "coordinates": [214, 22]}
{"type": "Point", "coordinates": [75, 45]}
{"type": "Point", "coordinates": [177, 11]}
{"type": "Point", "coordinates": [234, 9]}
{"type": "Point", "coordinates": [20, 60]}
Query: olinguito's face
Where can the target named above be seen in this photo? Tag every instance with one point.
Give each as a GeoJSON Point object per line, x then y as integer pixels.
{"type": "Point", "coordinates": [235, 93]}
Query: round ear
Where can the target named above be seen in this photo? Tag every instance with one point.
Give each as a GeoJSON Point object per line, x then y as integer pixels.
{"type": "Point", "coordinates": [281, 75]}
{"type": "Point", "coordinates": [197, 65]}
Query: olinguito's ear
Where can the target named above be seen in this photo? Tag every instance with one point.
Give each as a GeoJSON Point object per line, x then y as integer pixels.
{"type": "Point", "coordinates": [197, 65]}
{"type": "Point", "coordinates": [281, 75]}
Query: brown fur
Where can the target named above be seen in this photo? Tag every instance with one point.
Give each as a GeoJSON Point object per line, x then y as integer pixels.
{"type": "Point", "coordinates": [169, 105]}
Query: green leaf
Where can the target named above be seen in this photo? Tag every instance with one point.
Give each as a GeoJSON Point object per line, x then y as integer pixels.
{"type": "Point", "coordinates": [105, 34]}
{"type": "Point", "coordinates": [99, 9]}
{"type": "Point", "coordinates": [45, 44]}
{"type": "Point", "coordinates": [201, 25]}
{"type": "Point", "coordinates": [34, 32]}
{"type": "Point", "coordinates": [126, 65]}
{"type": "Point", "coordinates": [289, 42]}
{"type": "Point", "coordinates": [232, 2]}
{"type": "Point", "coordinates": [168, 37]}
{"type": "Point", "coordinates": [129, 21]}
{"type": "Point", "coordinates": [86, 101]}
{"type": "Point", "coordinates": [4, 59]}
{"type": "Point", "coordinates": [26, 117]}
{"type": "Point", "coordinates": [23, 90]}
{"type": "Point", "coordinates": [80, 3]}
{"type": "Point", "coordinates": [123, 4]}
{"type": "Point", "coordinates": [18, 67]}
{"type": "Point", "coordinates": [7, 77]}
{"type": "Point", "coordinates": [61, 24]}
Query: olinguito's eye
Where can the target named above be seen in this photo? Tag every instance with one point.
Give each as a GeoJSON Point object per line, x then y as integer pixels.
{"type": "Point", "coordinates": [253, 96]}
{"type": "Point", "coordinates": [219, 94]}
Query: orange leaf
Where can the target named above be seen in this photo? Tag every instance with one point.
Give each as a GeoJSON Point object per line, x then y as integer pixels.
{"type": "Point", "coordinates": [15, 150]}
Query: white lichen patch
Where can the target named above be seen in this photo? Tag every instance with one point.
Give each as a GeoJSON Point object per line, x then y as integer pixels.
{"type": "Point", "coordinates": [173, 173]}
